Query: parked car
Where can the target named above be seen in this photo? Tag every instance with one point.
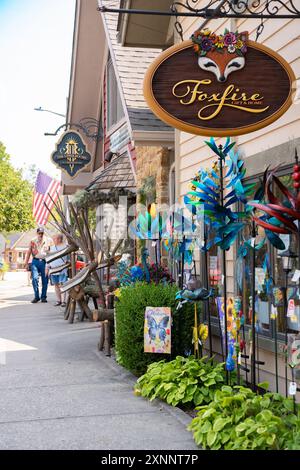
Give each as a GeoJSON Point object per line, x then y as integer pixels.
{"type": "Point", "coordinates": [81, 261]}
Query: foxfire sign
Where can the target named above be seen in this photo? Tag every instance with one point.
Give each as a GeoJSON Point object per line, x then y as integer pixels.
{"type": "Point", "coordinates": [71, 155]}
{"type": "Point", "coordinates": [219, 85]}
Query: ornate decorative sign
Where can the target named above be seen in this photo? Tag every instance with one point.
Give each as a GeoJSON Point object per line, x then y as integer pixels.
{"type": "Point", "coordinates": [219, 85]}
{"type": "Point", "coordinates": [157, 330]}
{"type": "Point", "coordinates": [71, 155]}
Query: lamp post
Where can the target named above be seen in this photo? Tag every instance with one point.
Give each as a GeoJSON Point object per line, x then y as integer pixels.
{"type": "Point", "coordinates": [49, 111]}
{"type": "Point", "coordinates": [287, 257]}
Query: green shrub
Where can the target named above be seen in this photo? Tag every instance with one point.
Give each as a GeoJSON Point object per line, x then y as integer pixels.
{"type": "Point", "coordinates": [130, 315]}
{"type": "Point", "coordinates": [239, 419]}
{"type": "Point", "coordinates": [187, 381]}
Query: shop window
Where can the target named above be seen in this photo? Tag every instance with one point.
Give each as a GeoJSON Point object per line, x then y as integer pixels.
{"type": "Point", "coordinates": [290, 241]}
{"type": "Point", "coordinates": [115, 110]}
{"type": "Point", "coordinates": [263, 298]}
{"type": "Point", "coordinates": [21, 256]}
{"type": "Point", "coordinates": [263, 256]}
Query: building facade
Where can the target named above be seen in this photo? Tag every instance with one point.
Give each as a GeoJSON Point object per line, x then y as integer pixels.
{"type": "Point", "coordinates": [133, 150]}
{"type": "Point", "coordinates": [271, 146]}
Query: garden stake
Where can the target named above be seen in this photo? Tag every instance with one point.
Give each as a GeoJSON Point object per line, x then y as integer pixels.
{"type": "Point", "coordinates": [195, 333]}
{"type": "Point", "coordinates": [257, 356]}
{"type": "Point", "coordinates": [285, 309]}
{"type": "Point", "coordinates": [294, 396]}
{"type": "Point", "coordinates": [245, 343]}
{"type": "Point", "coordinates": [206, 284]}
{"type": "Point", "coordinates": [276, 351]}
{"type": "Point", "coordinates": [182, 255]}
{"type": "Point", "coordinates": [245, 353]}
{"type": "Point", "coordinates": [224, 277]}
{"type": "Point", "coordinates": [253, 329]}
{"type": "Point", "coordinates": [156, 259]}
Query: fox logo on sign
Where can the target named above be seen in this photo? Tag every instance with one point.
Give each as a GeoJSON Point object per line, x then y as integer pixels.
{"type": "Point", "coordinates": [220, 54]}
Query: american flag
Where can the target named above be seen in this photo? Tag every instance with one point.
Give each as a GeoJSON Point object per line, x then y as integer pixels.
{"type": "Point", "coordinates": [45, 187]}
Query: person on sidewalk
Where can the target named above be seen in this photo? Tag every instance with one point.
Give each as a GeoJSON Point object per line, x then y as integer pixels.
{"type": "Point", "coordinates": [38, 248]}
{"type": "Point", "coordinates": [58, 279]}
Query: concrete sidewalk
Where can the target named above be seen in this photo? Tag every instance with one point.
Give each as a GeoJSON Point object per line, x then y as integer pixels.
{"type": "Point", "coordinates": [64, 394]}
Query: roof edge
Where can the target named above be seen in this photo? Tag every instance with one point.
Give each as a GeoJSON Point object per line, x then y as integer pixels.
{"type": "Point", "coordinates": [154, 138]}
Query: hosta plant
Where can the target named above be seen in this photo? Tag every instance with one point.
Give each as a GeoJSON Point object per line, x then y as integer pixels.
{"type": "Point", "coordinates": [239, 419]}
{"type": "Point", "coordinates": [183, 381]}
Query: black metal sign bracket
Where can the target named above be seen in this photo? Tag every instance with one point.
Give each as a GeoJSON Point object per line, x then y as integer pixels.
{"type": "Point", "coordinates": [222, 9]}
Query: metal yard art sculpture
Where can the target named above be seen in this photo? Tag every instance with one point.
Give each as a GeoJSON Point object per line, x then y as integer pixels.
{"type": "Point", "coordinates": [225, 205]}
{"type": "Point", "coordinates": [279, 214]}
{"type": "Point", "coordinates": [78, 235]}
{"type": "Point", "coordinates": [216, 209]}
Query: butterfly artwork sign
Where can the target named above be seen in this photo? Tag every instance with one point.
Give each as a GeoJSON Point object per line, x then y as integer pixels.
{"type": "Point", "coordinates": [157, 330]}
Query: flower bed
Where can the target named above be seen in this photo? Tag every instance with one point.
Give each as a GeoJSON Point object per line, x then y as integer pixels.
{"type": "Point", "coordinates": [183, 381]}
{"type": "Point", "coordinates": [239, 419]}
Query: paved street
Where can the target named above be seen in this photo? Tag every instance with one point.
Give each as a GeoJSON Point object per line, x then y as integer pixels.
{"type": "Point", "coordinates": [63, 394]}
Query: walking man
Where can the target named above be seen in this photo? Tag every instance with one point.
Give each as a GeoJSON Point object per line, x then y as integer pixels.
{"type": "Point", "coordinates": [38, 249]}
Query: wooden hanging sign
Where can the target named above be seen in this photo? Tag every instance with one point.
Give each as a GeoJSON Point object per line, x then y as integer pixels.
{"type": "Point", "coordinates": [222, 85]}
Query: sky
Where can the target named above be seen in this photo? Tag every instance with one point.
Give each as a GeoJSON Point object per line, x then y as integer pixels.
{"type": "Point", "coordinates": [35, 57]}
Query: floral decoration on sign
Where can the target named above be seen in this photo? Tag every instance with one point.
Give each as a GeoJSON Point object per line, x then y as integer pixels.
{"type": "Point", "coordinates": [206, 41]}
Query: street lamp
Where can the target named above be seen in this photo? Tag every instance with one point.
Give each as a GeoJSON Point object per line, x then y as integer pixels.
{"type": "Point", "coordinates": [287, 257]}
{"type": "Point", "coordinates": [49, 111]}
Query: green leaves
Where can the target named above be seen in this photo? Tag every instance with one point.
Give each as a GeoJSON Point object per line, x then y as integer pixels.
{"type": "Point", "coordinates": [219, 424]}
{"type": "Point", "coordinates": [187, 381]}
{"type": "Point", "coordinates": [264, 385]}
{"type": "Point", "coordinates": [15, 197]}
{"type": "Point", "coordinates": [237, 419]}
{"type": "Point", "coordinates": [211, 438]}
{"type": "Point", "coordinates": [130, 316]}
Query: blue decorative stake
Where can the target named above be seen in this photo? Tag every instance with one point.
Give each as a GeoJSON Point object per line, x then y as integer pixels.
{"type": "Point", "coordinates": [230, 364]}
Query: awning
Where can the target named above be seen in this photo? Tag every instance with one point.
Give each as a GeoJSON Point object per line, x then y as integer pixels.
{"type": "Point", "coordinates": [118, 174]}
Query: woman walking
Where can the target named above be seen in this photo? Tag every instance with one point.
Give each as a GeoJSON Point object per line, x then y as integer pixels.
{"type": "Point", "coordinates": [58, 279]}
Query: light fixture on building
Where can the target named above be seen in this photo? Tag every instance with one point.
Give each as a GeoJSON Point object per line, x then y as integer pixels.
{"type": "Point", "coordinates": [287, 259]}
{"type": "Point", "coordinates": [109, 155]}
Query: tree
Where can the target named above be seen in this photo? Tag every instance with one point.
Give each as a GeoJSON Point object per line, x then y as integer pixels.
{"type": "Point", "coordinates": [30, 173]}
{"type": "Point", "coordinates": [15, 197]}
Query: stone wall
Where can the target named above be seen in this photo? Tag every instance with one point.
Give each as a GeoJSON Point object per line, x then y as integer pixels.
{"type": "Point", "coordinates": [154, 162]}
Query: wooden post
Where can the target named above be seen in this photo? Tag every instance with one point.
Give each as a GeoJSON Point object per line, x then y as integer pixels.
{"type": "Point", "coordinates": [101, 339]}
{"type": "Point", "coordinates": [107, 337]}
{"type": "Point", "coordinates": [73, 302]}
